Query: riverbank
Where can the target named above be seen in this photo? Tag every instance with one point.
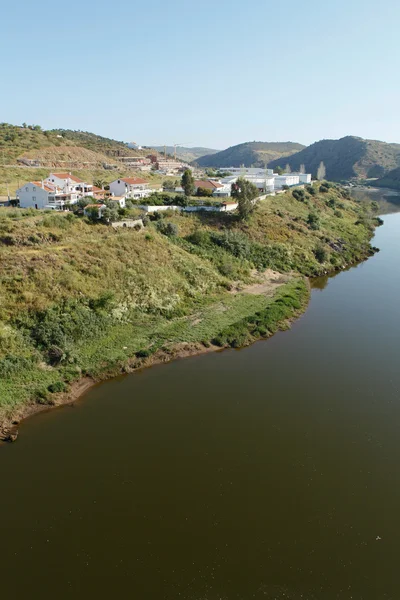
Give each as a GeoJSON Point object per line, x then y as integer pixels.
{"type": "Point", "coordinates": [284, 301]}
{"type": "Point", "coordinates": [80, 302]}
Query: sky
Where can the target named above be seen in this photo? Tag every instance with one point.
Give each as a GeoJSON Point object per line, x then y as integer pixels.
{"type": "Point", "coordinates": [205, 73]}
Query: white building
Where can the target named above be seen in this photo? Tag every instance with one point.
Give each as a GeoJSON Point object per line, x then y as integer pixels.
{"type": "Point", "coordinates": [305, 177]}
{"type": "Point", "coordinates": [118, 200]}
{"type": "Point", "coordinates": [264, 183]}
{"type": "Point", "coordinates": [288, 179]}
{"type": "Point", "coordinates": [40, 195]}
{"type": "Point", "coordinates": [244, 171]}
{"type": "Point", "coordinates": [130, 187]}
{"type": "Point", "coordinates": [70, 183]}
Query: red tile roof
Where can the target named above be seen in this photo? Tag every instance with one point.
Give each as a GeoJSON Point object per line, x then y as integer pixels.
{"type": "Point", "coordinates": [45, 186]}
{"type": "Point", "coordinates": [208, 185]}
{"type": "Point", "coordinates": [68, 176]}
{"type": "Point", "coordinates": [133, 180]}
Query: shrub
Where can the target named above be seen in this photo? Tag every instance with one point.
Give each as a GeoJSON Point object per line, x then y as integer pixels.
{"type": "Point", "coordinates": [168, 229]}
{"type": "Point", "coordinates": [311, 190]}
{"type": "Point", "coordinates": [58, 386]}
{"type": "Point", "coordinates": [313, 221]}
{"type": "Point", "coordinates": [320, 254]}
{"type": "Point", "coordinates": [204, 192]}
{"type": "Point", "coordinates": [338, 214]}
{"type": "Point", "coordinates": [299, 195]}
{"type": "Point", "coordinates": [324, 188]}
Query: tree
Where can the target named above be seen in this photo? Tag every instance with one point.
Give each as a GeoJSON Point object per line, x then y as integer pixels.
{"type": "Point", "coordinates": [187, 183]}
{"type": "Point", "coordinates": [321, 173]}
{"type": "Point", "coordinates": [245, 193]}
{"type": "Point", "coordinates": [24, 125]}
{"type": "Point", "coordinates": [279, 170]}
{"type": "Point", "coordinates": [99, 183]}
{"type": "Point", "coordinates": [287, 168]}
{"type": "Point", "coordinates": [302, 169]}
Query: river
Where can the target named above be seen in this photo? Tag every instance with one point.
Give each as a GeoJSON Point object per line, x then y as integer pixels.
{"type": "Point", "coordinates": [271, 472]}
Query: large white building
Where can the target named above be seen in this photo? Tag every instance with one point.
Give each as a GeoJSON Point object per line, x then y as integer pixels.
{"type": "Point", "coordinates": [40, 194]}
{"type": "Point", "coordinates": [130, 187]}
{"type": "Point", "coordinates": [248, 171]}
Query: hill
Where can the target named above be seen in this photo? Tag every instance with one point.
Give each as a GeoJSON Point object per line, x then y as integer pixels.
{"type": "Point", "coordinates": [249, 154]}
{"type": "Point", "coordinates": [390, 180]}
{"type": "Point", "coordinates": [16, 142]}
{"type": "Point", "coordinates": [83, 300]}
{"type": "Point", "coordinates": [346, 158]}
{"type": "Point", "coordinates": [186, 154]}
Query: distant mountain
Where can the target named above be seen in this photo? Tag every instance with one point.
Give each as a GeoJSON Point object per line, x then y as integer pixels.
{"type": "Point", "coordinates": [249, 154]}
{"type": "Point", "coordinates": [186, 154]}
{"type": "Point", "coordinates": [346, 158]}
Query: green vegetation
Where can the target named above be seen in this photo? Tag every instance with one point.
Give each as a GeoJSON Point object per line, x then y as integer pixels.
{"type": "Point", "coordinates": [79, 298]}
{"type": "Point", "coordinates": [250, 154]}
{"type": "Point", "coordinates": [245, 193]}
{"type": "Point", "coordinates": [347, 158]}
{"type": "Point", "coordinates": [187, 183]}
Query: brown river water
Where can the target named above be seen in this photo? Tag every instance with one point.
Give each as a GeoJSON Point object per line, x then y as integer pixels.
{"type": "Point", "coordinates": [271, 472]}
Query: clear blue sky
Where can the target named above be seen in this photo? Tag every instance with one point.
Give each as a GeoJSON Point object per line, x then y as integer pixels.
{"type": "Point", "coordinates": [212, 73]}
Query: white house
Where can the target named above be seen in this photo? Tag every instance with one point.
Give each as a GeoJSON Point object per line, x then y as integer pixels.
{"type": "Point", "coordinates": [70, 183]}
{"type": "Point", "coordinates": [119, 200]}
{"type": "Point", "coordinates": [100, 208]}
{"type": "Point", "coordinates": [130, 187]}
{"type": "Point", "coordinates": [39, 195]}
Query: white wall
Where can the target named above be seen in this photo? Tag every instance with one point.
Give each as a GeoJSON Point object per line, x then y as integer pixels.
{"type": "Point", "coordinates": [32, 196]}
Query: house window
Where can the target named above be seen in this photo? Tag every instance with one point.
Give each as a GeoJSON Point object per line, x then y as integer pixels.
{"type": "Point", "coordinates": [26, 189]}
{"type": "Point", "coordinates": [119, 181]}
{"type": "Point", "coordinates": [33, 198]}
{"type": "Point", "coordinates": [34, 189]}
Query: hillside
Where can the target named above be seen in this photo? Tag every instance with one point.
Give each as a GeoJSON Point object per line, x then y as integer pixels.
{"type": "Point", "coordinates": [82, 300]}
{"type": "Point", "coordinates": [390, 180]}
{"type": "Point", "coordinates": [18, 141]}
{"type": "Point", "coordinates": [186, 154]}
{"type": "Point", "coordinates": [249, 154]}
{"type": "Point", "coordinates": [346, 158]}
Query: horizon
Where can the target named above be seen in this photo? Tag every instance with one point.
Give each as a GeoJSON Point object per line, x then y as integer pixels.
{"type": "Point", "coordinates": [317, 76]}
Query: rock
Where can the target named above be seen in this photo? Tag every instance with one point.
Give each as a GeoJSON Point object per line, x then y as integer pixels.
{"type": "Point", "coordinates": [11, 437]}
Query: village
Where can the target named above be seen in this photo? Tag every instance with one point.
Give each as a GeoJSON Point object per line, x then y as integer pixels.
{"type": "Point", "coordinates": [62, 190]}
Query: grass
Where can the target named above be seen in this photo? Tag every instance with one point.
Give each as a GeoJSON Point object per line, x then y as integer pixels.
{"type": "Point", "coordinates": [79, 298]}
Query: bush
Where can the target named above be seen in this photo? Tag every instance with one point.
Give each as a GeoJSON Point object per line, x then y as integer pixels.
{"type": "Point", "coordinates": [313, 221]}
{"type": "Point", "coordinates": [320, 254]}
{"type": "Point", "coordinates": [299, 195]}
{"type": "Point", "coordinates": [204, 192]}
{"type": "Point", "coordinates": [324, 188]}
{"type": "Point", "coordinates": [338, 214]}
{"type": "Point", "coordinates": [168, 229]}
{"type": "Point", "coordinates": [58, 386]}
{"type": "Point", "coordinates": [311, 190]}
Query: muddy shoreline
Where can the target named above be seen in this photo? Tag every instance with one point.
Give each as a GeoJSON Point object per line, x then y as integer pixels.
{"type": "Point", "coordinates": [9, 427]}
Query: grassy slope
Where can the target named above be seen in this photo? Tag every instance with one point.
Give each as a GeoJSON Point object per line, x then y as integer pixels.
{"type": "Point", "coordinates": [104, 297]}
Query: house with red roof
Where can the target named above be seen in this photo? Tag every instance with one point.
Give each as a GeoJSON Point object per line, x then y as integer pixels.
{"type": "Point", "coordinates": [130, 187]}
{"type": "Point", "coordinates": [40, 195]}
